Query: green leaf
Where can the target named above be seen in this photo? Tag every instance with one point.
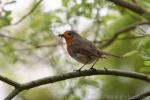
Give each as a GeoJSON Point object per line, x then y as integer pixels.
{"type": "Point", "coordinates": [147, 63]}
{"type": "Point", "coordinates": [65, 3]}
{"type": "Point", "coordinates": [130, 53]}
{"type": "Point", "coordinates": [147, 16]}
{"type": "Point", "coordinates": [7, 13]}
{"type": "Point", "coordinates": [76, 98]}
{"type": "Point", "coordinates": [144, 48]}
{"type": "Point", "coordinates": [75, 8]}
{"type": "Point", "coordinates": [145, 70]}
{"type": "Point", "coordinates": [4, 21]}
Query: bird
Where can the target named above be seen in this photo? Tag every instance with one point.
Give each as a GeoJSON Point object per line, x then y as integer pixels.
{"type": "Point", "coordinates": [82, 49]}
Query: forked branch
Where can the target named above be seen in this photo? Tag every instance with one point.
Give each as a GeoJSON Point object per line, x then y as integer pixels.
{"type": "Point", "coordinates": [74, 74]}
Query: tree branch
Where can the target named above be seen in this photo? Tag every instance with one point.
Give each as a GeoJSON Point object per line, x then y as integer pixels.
{"type": "Point", "coordinates": [121, 31]}
{"type": "Point", "coordinates": [12, 38]}
{"type": "Point", "coordinates": [134, 37]}
{"type": "Point", "coordinates": [125, 38]}
{"type": "Point", "coordinates": [12, 94]}
{"type": "Point", "coordinates": [75, 74]}
{"type": "Point", "coordinates": [40, 46]}
{"type": "Point", "coordinates": [8, 3]}
{"type": "Point", "coordinates": [140, 96]}
{"type": "Point", "coordinates": [10, 82]}
{"type": "Point", "coordinates": [26, 15]}
{"type": "Point", "coordinates": [133, 7]}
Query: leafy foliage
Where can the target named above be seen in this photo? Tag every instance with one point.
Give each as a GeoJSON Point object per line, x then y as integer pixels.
{"type": "Point", "coordinates": [35, 41]}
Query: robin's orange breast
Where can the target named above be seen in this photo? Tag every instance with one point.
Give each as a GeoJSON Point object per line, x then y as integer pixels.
{"type": "Point", "coordinates": [69, 41]}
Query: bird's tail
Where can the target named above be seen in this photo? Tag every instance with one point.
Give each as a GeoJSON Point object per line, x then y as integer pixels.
{"type": "Point", "coordinates": [108, 54]}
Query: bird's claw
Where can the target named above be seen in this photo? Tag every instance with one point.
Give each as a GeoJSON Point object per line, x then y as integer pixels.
{"type": "Point", "coordinates": [105, 69]}
{"type": "Point", "coordinates": [93, 68]}
{"type": "Point", "coordinates": [78, 70]}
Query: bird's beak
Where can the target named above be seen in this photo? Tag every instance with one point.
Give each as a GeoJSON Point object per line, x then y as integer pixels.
{"type": "Point", "coordinates": [61, 35]}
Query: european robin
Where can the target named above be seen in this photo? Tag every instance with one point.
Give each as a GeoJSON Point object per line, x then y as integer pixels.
{"type": "Point", "coordinates": [82, 50]}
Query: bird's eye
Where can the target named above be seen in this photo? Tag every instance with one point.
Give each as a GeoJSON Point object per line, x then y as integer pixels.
{"type": "Point", "coordinates": [69, 34]}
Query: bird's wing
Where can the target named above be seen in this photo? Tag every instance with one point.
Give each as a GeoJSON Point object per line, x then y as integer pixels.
{"type": "Point", "coordinates": [86, 47]}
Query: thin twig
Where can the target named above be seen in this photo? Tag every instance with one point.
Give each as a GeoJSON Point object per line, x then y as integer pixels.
{"type": "Point", "coordinates": [124, 38]}
{"type": "Point", "coordinates": [26, 15]}
{"type": "Point", "coordinates": [8, 3]}
{"type": "Point", "coordinates": [133, 37]}
{"type": "Point", "coordinates": [133, 7]}
{"type": "Point", "coordinates": [40, 46]}
{"type": "Point", "coordinates": [97, 17]}
{"type": "Point", "coordinates": [16, 39]}
{"type": "Point", "coordinates": [9, 81]}
{"type": "Point", "coordinates": [75, 74]}
{"type": "Point", "coordinates": [13, 38]}
{"type": "Point", "coordinates": [123, 30]}
{"type": "Point", "coordinates": [140, 96]}
{"type": "Point", "coordinates": [12, 94]}
{"type": "Point", "coordinates": [29, 43]}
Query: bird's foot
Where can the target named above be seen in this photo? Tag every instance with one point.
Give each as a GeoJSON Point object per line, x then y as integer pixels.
{"type": "Point", "coordinates": [93, 68]}
{"type": "Point", "coordinates": [105, 69]}
{"type": "Point", "coordinates": [78, 70]}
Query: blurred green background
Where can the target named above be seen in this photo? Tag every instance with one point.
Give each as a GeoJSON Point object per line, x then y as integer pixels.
{"type": "Point", "coordinates": [32, 49]}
